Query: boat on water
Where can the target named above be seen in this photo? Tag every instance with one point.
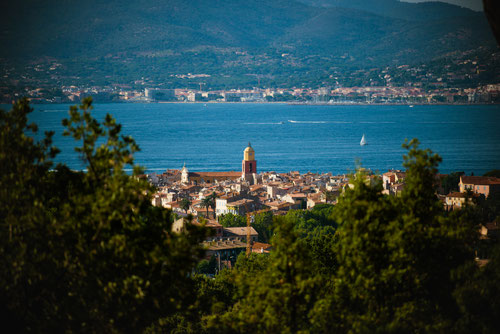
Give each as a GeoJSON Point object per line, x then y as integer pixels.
{"type": "Point", "coordinates": [411, 105]}
{"type": "Point", "coordinates": [282, 123]}
{"type": "Point", "coordinates": [363, 141]}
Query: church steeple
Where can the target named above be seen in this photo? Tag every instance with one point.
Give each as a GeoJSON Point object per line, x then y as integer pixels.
{"type": "Point", "coordinates": [249, 153]}
{"type": "Point", "coordinates": [184, 174]}
{"type": "Point", "coordinates": [249, 164]}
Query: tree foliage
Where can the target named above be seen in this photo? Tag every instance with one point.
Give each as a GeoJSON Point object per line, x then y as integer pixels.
{"type": "Point", "coordinates": [277, 297]}
{"type": "Point", "coordinates": [450, 182]}
{"type": "Point", "coordinates": [263, 224]}
{"type": "Point", "coordinates": [85, 251]}
{"type": "Point", "coordinates": [232, 220]}
{"type": "Point", "coordinates": [185, 204]}
{"type": "Point", "coordinates": [493, 173]}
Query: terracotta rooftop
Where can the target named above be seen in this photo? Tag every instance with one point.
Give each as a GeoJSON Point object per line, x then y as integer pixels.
{"type": "Point", "coordinates": [208, 223]}
{"type": "Point", "coordinates": [460, 195]}
{"type": "Point", "coordinates": [216, 174]}
{"type": "Point", "coordinates": [240, 231]}
{"type": "Point", "coordinates": [261, 245]}
{"type": "Point", "coordinates": [256, 187]}
{"type": "Point", "coordinates": [279, 205]}
{"type": "Point", "coordinates": [298, 195]}
{"type": "Point", "coordinates": [481, 180]}
{"type": "Point", "coordinates": [240, 202]}
{"type": "Point", "coordinates": [219, 245]}
{"type": "Point", "coordinates": [456, 194]}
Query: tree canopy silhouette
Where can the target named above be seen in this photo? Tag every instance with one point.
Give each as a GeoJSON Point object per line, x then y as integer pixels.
{"type": "Point", "coordinates": [85, 251]}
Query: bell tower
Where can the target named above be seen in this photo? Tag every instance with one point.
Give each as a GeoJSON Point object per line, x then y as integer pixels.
{"type": "Point", "coordinates": [184, 174]}
{"type": "Point", "coordinates": [248, 165]}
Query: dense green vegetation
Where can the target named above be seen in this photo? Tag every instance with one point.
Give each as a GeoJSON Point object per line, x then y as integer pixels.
{"type": "Point", "coordinates": [86, 252]}
{"type": "Point", "coordinates": [450, 182]}
{"type": "Point", "coordinates": [163, 28]}
{"type": "Point", "coordinates": [493, 173]}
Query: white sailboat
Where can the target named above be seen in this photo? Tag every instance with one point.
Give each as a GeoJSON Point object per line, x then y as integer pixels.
{"type": "Point", "coordinates": [363, 140]}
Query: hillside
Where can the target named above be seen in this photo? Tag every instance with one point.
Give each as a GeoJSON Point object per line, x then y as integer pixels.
{"type": "Point", "coordinates": [125, 40]}
{"type": "Point", "coordinates": [425, 11]}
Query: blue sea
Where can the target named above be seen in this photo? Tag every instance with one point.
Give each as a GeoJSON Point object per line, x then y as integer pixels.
{"type": "Point", "coordinates": [212, 137]}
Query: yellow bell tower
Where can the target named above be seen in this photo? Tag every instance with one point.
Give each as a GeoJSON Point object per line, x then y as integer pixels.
{"type": "Point", "coordinates": [249, 164]}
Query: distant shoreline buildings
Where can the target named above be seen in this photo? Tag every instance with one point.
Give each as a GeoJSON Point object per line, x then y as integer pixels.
{"type": "Point", "coordinates": [373, 95]}
{"type": "Point", "coordinates": [489, 94]}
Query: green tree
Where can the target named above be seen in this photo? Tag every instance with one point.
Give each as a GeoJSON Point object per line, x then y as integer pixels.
{"type": "Point", "coordinates": [206, 203]}
{"type": "Point", "coordinates": [207, 266]}
{"type": "Point", "coordinates": [397, 255]}
{"type": "Point", "coordinates": [213, 198]}
{"type": "Point", "coordinates": [279, 297]}
{"type": "Point", "coordinates": [24, 172]}
{"type": "Point", "coordinates": [330, 196]}
{"type": "Point", "coordinates": [450, 182]}
{"type": "Point", "coordinates": [321, 243]}
{"type": "Point", "coordinates": [487, 209]}
{"type": "Point", "coordinates": [213, 297]}
{"type": "Point", "coordinates": [479, 297]}
{"type": "Point", "coordinates": [185, 204]}
{"type": "Point", "coordinates": [263, 224]}
{"type": "Point", "coordinates": [308, 220]}
{"type": "Point", "coordinates": [231, 220]}
{"type": "Point", "coordinates": [86, 251]}
{"type": "Point", "coordinates": [493, 173]}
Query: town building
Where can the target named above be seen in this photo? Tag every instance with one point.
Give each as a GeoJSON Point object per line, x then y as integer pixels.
{"type": "Point", "coordinates": [207, 177]}
{"type": "Point", "coordinates": [481, 185]}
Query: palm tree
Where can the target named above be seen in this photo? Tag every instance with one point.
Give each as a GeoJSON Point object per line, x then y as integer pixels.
{"type": "Point", "coordinates": [213, 197]}
{"type": "Point", "coordinates": [185, 204]}
{"type": "Point", "coordinates": [206, 203]}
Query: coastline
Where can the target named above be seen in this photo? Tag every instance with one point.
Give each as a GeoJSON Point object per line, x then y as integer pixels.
{"type": "Point", "coordinates": [268, 102]}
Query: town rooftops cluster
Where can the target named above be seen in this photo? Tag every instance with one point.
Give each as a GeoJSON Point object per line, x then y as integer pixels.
{"type": "Point", "coordinates": [250, 192]}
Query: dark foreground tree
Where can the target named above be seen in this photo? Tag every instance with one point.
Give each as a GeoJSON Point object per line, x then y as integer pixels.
{"type": "Point", "coordinates": [85, 251]}
{"type": "Point", "coordinates": [277, 297]}
{"type": "Point", "coordinates": [479, 297]}
{"type": "Point", "coordinates": [397, 256]}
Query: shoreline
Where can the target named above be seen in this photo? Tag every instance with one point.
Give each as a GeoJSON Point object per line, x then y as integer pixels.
{"type": "Point", "coordinates": [270, 102]}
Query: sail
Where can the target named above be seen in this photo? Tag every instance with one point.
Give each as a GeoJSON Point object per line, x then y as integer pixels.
{"type": "Point", "coordinates": [363, 141]}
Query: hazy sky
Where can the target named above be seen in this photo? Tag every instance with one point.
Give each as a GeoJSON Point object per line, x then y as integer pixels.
{"type": "Point", "coordinates": [473, 4]}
